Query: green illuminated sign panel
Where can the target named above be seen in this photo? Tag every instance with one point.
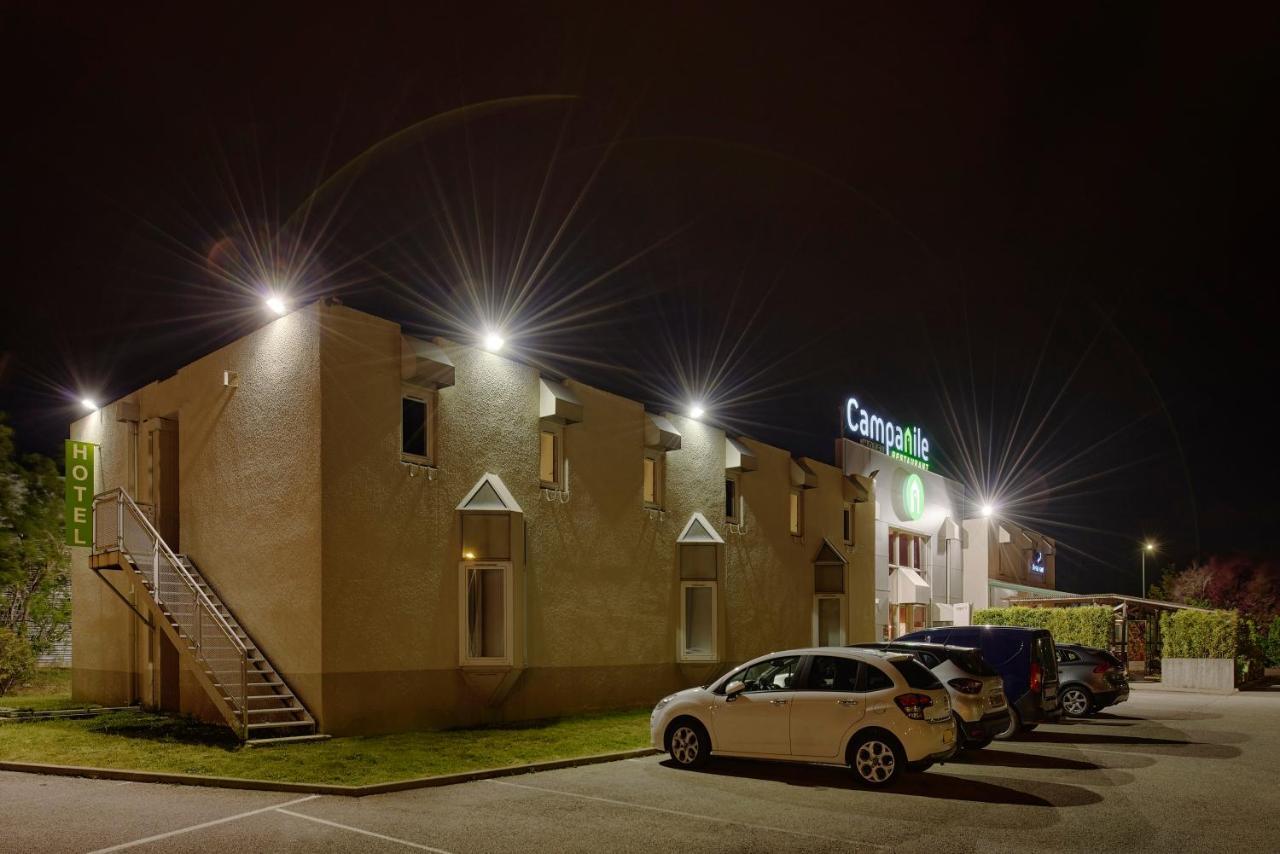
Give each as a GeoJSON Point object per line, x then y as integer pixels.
{"type": "Point", "coordinates": [913, 496]}
{"type": "Point", "coordinates": [82, 458]}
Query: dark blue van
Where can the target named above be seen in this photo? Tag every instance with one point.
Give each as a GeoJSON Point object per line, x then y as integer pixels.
{"type": "Point", "coordinates": [1026, 660]}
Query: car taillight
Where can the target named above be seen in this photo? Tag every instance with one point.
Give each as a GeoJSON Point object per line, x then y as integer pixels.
{"type": "Point", "coordinates": [1102, 668]}
{"type": "Point", "coordinates": [913, 705]}
{"type": "Point", "coordinates": [1036, 676]}
{"type": "Point", "coordinates": [966, 686]}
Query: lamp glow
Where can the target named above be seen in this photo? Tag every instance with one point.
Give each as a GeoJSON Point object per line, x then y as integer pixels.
{"type": "Point", "coordinates": [277, 305]}
{"type": "Point", "coordinates": [89, 404]}
{"type": "Point", "coordinates": [696, 411]}
{"type": "Point", "coordinates": [493, 342]}
{"type": "Point", "coordinates": [1151, 546]}
{"type": "Point", "coordinates": [468, 555]}
{"type": "Point", "coordinates": [987, 510]}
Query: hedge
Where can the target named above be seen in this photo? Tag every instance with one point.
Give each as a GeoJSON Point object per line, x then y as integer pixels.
{"type": "Point", "coordinates": [1089, 625]}
{"type": "Point", "coordinates": [1200, 634]}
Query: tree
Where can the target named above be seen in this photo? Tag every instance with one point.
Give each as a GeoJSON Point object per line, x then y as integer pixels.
{"type": "Point", "coordinates": [35, 565]}
{"type": "Point", "coordinates": [1236, 583]}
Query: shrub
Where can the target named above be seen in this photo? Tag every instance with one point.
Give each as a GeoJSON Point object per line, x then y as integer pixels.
{"type": "Point", "coordinates": [1200, 634]}
{"type": "Point", "coordinates": [1273, 643]}
{"type": "Point", "coordinates": [1089, 625]}
{"type": "Point", "coordinates": [17, 661]}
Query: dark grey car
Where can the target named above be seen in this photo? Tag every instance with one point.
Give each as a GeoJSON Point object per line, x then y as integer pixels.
{"type": "Point", "coordinates": [1089, 679]}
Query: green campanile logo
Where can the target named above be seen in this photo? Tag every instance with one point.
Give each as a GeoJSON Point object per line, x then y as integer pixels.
{"type": "Point", "coordinates": [913, 496]}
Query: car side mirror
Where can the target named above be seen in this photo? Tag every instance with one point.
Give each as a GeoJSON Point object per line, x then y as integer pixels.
{"type": "Point", "coordinates": [734, 688]}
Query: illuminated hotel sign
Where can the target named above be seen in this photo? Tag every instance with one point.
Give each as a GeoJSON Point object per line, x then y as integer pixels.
{"type": "Point", "coordinates": [907, 444]}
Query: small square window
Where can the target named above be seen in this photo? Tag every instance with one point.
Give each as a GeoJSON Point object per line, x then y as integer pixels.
{"type": "Point", "coordinates": [416, 426]}
{"type": "Point", "coordinates": [653, 474]}
{"type": "Point", "coordinates": [549, 458]}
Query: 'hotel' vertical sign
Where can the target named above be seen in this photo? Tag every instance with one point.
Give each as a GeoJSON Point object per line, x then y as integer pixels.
{"type": "Point", "coordinates": [81, 458]}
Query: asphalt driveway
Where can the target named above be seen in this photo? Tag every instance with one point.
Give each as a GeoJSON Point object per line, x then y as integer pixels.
{"type": "Point", "coordinates": [1166, 771]}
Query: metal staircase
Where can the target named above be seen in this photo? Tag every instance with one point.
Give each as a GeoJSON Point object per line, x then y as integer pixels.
{"type": "Point", "coordinates": [247, 690]}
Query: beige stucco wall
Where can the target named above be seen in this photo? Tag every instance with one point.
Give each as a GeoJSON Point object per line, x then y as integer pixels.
{"type": "Point", "coordinates": [1005, 561]}
{"type": "Point", "coordinates": [249, 510]}
{"type": "Point", "coordinates": [342, 562]}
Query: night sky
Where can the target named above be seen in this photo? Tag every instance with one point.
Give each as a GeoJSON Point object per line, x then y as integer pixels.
{"type": "Point", "coordinates": [1045, 237]}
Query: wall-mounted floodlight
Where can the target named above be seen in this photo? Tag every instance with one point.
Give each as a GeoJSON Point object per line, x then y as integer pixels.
{"type": "Point", "coordinates": [277, 305]}
{"type": "Point", "coordinates": [987, 510]}
{"type": "Point", "coordinates": [696, 410]}
{"type": "Point", "coordinates": [89, 405]}
{"type": "Point", "coordinates": [493, 342]}
{"type": "Point", "coordinates": [1151, 546]}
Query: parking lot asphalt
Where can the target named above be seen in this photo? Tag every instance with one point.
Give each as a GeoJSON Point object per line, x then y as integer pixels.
{"type": "Point", "coordinates": [1165, 771]}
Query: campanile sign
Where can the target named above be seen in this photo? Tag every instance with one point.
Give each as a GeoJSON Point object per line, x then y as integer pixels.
{"type": "Point", "coordinates": [904, 443]}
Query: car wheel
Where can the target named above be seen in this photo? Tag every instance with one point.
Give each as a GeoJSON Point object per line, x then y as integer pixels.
{"type": "Point", "coordinates": [688, 744]}
{"type": "Point", "coordinates": [1015, 723]}
{"type": "Point", "coordinates": [1077, 702]}
{"type": "Point", "coordinates": [961, 741]}
{"type": "Point", "coordinates": [876, 759]}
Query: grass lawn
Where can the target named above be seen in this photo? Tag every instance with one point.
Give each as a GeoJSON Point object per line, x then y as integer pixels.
{"type": "Point", "coordinates": [148, 742]}
{"type": "Point", "coordinates": [49, 688]}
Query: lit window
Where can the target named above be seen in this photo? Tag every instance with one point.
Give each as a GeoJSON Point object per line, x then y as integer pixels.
{"type": "Point", "coordinates": [488, 595]}
{"type": "Point", "coordinates": [906, 550]}
{"type": "Point", "coordinates": [828, 604]}
{"type": "Point", "coordinates": [797, 513]}
{"type": "Point", "coordinates": [731, 509]}
{"type": "Point", "coordinates": [699, 568]}
{"type": "Point", "coordinates": [698, 620]}
{"type": "Point", "coordinates": [549, 458]}
{"type": "Point", "coordinates": [416, 437]}
{"type": "Point", "coordinates": [653, 479]}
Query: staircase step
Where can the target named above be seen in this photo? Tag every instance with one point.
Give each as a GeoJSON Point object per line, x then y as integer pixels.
{"type": "Point", "coordinates": [286, 739]}
{"type": "Point", "coordinates": [276, 711]}
{"type": "Point", "coordinates": [281, 724]}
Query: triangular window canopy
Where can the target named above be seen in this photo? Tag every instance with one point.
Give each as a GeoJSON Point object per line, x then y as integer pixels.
{"type": "Point", "coordinates": [557, 404]}
{"type": "Point", "coordinates": [698, 530]}
{"type": "Point", "coordinates": [802, 477]}
{"type": "Point", "coordinates": [828, 553]}
{"type": "Point", "coordinates": [490, 494]}
{"type": "Point", "coordinates": [737, 456]}
{"type": "Point", "coordinates": [660, 434]}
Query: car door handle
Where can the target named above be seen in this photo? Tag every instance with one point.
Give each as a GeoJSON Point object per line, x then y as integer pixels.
{"type": "Point", "coordinates": [778, 702]}
{"type": "Point", "coordinates": [847, 702]}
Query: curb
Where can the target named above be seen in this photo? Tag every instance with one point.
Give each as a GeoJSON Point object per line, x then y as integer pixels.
{"type": "Point", "coordinates": [317, 788]}
{"type": "Point", "coordinates": [1156, 686]}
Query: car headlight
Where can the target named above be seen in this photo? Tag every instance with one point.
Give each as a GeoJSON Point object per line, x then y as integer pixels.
{"type": "Point", "coordinates": [662, 704]}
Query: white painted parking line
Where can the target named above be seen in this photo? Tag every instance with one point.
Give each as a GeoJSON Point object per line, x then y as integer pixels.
{"type": "Point", "coordinates": [383, 836]}
{"type": "Point", "coordinates": [202, 826]}
{"type": "Point", "coordinates": [713, 818]}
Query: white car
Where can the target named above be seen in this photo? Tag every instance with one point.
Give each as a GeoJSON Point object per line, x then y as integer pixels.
{"type": "Point", "coordinates": [874, 711]}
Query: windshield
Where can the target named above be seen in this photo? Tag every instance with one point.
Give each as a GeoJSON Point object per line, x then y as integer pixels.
{"type": "Point", "coordinates": [916, 674]}
{"type": "Point", "coordinates": [971, 661]}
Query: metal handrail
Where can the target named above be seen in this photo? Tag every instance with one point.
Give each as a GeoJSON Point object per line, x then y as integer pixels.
{"type": "Point", "coordinates": [203, 605]}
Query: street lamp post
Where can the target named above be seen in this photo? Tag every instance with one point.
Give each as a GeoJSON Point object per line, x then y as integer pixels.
{"type": "Point", "coordinates": [1147, 547]}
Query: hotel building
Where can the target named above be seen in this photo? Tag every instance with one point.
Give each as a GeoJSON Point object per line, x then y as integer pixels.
{"type": "Point", "coordinates": [330, 525]}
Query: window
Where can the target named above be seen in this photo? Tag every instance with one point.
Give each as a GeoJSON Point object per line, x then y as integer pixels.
{"type": "Point", "coordinates": [416, 431]}
{"type": "Point", "coordinates": [828, 604]}
{"type": "Point", "coordinates": [776, 674]}
{"type": "Point", "coordinates": [549, 458]}
{"type": "Point", "coordinates": [653, 474]}
{"type": "Point", "coordinates": [832, 673]}
{"type": "Point", "coordinates": [906, 550]}
{"type": "Point", "coordinates": [731, 511]}
{"type": "Point", "coordinates": [797, 513]}
{"type": "Point", "coordinates": [487, 600]}
{"type": "Point", "coordinates": [486, 536]}
{"type": "Point", "coordinates": [698, 620]}
{"type": "Point", "coordinates": [916, 674]}
{"type": "Point", "coordinates": [875, 679]}
{"type": "Point", "coordinates": [847, 518]}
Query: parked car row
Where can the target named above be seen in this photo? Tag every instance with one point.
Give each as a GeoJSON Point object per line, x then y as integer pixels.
{"type": "Point", "coordinates": [885, 708]}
